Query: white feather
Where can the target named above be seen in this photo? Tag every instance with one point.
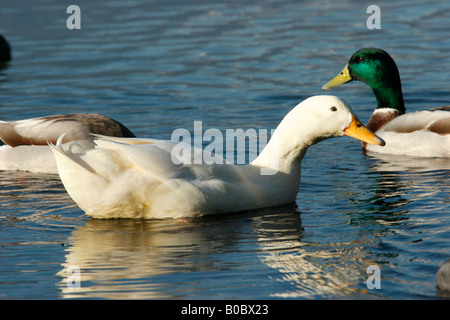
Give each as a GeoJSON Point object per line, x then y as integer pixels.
{"type": "Point", "coordinates": [410, 135]}
{"type": "Point", "coordinates": [137, 178]}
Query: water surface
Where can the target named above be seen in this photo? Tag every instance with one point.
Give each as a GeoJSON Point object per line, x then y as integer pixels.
{"type": "Point", "coordinates": [160, 65]}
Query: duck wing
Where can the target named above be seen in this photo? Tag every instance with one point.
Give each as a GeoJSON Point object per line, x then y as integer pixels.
{"type": "Point", "coordinates": [40, 131]}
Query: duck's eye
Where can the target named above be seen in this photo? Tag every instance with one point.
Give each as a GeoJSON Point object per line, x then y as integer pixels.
{"type": "Point", "coordinates": [333, 108]}
{"type": "Point", "coordinates": [361, 59]}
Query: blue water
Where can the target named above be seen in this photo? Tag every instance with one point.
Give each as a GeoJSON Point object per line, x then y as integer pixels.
{"type": "Point", "coordinates": [160, 65]}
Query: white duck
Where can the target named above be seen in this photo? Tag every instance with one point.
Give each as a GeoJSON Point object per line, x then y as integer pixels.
{"type": "Point", "coordinates": [137, 178]}
{"type": "Point", "coordinates": [26, 140]}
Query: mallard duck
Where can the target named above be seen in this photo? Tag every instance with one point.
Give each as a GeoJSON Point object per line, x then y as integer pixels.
{"type": "Point", "coordinates": [144, 178]}
{"type": "Point", "coordinates": [26, 140]}
{"type": "Point", "coordinates": [421, 133]}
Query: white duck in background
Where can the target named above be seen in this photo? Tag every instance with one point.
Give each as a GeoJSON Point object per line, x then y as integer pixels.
{"type": "Point", "coordinates": [26, 140]}
{"type": "Point", "coordinates": [137, 178]}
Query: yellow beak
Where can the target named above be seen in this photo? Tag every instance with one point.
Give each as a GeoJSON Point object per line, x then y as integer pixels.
{"type": "Point", "coordinates": [358, 131]}
{"type": "Point", "coordinates": [341, 78]}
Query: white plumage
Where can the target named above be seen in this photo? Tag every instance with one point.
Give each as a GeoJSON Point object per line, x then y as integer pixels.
{"type": "Point", "coordinates": [419, 133]}
{"type": "Point", "coordinates": [137, 178]}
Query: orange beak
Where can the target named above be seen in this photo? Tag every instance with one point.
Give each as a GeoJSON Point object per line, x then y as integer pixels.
{"type": "Point", "coordinates": [358, 131]}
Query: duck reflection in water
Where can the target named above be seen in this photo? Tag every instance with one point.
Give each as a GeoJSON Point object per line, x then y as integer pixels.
{"type": "Point", "coordinates": [170, 259]}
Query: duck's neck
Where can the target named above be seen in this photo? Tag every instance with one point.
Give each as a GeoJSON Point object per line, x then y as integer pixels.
{"type": "Point", "coordinates": [278, 167]}
{"type": "Point", "coordinates": [380, 117]}
{"type": "Point", "coordinates": [387, 87]}
{"type": "Point", "coordinates": [389, 97]}
{"type": "Point", "coordinates": [283, 153]}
